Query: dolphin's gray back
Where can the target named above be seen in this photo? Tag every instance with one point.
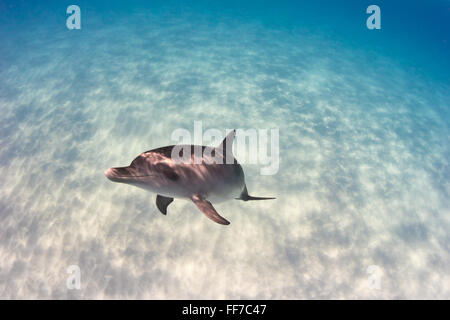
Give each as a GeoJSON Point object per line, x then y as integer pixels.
{"type": "Point", "coordinates": [171, 178]}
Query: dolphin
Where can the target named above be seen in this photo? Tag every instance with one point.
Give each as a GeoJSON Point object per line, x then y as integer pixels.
{"type": "Point", "coordinates": [199, 180]}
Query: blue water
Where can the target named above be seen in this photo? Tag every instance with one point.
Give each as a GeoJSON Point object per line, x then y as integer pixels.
{"type": "Point", "coordinates": [363, 117]}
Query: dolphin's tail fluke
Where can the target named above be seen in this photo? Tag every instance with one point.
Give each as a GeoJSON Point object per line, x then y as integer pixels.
{"type": "Point", "coordinates": [246, 197]}
{"type": "Point", "coordinates": [255, 198]}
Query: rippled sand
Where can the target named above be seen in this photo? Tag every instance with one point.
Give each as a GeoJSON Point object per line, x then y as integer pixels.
{"type": "Point", "coordinates": [363, 179]}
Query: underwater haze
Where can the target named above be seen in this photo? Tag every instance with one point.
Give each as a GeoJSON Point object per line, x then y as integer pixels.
{"type": "Point", "coordinates": [363, 186]}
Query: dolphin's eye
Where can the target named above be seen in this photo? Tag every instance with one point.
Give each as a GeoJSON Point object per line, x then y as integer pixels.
{"type": "Point", "coordinates": [167, 171]}
{"type": "Point", "coordinates": [171, 175]}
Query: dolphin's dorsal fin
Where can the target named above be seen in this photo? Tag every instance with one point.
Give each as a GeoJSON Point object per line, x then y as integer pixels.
{"type": "Point", "coordinates": [206, 207]}
{"type": "Point", "coordinates": [227, 145]}
{"type": "Point", "coordinates": [162, 203]}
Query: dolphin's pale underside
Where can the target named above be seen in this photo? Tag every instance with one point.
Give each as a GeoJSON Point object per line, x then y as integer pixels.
{"type": "Point", "coordinates": [202, 181]}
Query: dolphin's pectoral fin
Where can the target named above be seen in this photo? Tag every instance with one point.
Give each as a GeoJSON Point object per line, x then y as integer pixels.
{"type": "Point", "coordinates": [245, 196]}
{"type": "Point", "coordinates": [162, 203]}
{"type": "Point", "coordinates": [207, 208]}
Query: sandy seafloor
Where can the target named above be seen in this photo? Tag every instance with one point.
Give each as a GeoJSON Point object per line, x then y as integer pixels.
{"type": "Point", "coordinates": [364, 161]}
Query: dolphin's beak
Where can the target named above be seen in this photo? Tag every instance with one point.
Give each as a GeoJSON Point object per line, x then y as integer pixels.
{"type": "Point", "coordinates": [118, 174]}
